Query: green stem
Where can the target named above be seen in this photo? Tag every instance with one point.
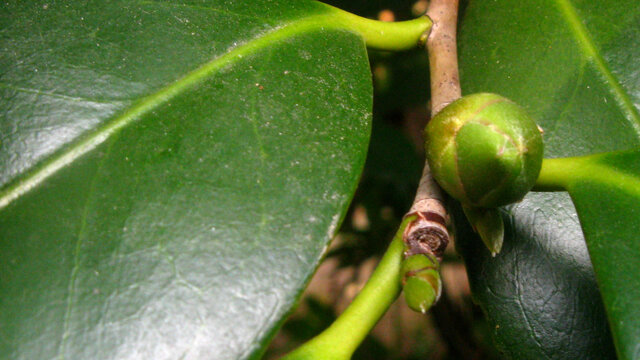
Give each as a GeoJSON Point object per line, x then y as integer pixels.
{"type": "Point", "coordinates": [392, 36]}
{"type": "Point", "coordinates": [340, 340]}
{"type": "Point", "coordinates": [564, 173]}
{"type": "Point", "coordinates": [557, 174]}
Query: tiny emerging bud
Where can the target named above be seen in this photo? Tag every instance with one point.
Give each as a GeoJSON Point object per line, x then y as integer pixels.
{"type": "Point", "coordinates": [484, 150]}
{"type": "Point", "coordinates": [421, 281]}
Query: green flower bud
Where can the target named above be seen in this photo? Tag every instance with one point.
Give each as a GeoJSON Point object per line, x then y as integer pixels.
{"type": "Point", "coordinates": [421, 281]}
{"type": "Point", "coordinates": [484, 150]}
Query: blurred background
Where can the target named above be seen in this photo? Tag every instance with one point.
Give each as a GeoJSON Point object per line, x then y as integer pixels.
{"type": "Point", "coordinates": [455, 328]}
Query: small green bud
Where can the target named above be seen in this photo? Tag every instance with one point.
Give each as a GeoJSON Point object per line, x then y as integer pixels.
{"type": "Point", "coordinates": [484, 150]}
{"type": "Point", "coordinates": [421, 281]}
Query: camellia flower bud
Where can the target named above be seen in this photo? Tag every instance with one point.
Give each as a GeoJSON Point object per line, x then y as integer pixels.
{"type": "Point", "coordinates": [484, 150]}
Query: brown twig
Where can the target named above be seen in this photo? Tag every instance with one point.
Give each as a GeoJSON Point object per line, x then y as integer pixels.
{"type": "Point", "coordinates": [443, 54]}
{"type": "Point", "coordinates": [428, 232]}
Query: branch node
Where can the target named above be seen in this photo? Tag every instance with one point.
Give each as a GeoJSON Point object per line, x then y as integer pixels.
{"type": "Point", "coordinates": [427, 234]}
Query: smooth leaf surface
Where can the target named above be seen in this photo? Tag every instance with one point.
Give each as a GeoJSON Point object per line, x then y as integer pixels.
{"type": "Point", "coordinates": [570, 63]}
{"type": "Point", "coordinates": [170, 172]}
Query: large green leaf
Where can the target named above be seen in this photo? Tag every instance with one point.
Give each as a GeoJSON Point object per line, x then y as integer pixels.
{"type": "Point", "coordinates": [170, 172]}
{"type": "Point", "coordinates": [571, 64]}
{"type": "Point", "coordinates": [606, 191]}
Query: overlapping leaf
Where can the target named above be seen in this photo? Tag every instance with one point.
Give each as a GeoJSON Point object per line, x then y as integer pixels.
{"type": "Point", "coordinates": [570, 64]}
{"type": "Point", "coordinates": [606, 192]}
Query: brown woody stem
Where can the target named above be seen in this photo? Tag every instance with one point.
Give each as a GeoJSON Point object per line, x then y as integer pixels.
{"type": "Point", "coordinates": [428, 233]}
{"type": "Point", "coordinates": [443, 54]}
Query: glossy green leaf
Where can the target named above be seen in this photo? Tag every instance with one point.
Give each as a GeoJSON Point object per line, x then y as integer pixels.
{"type": "Point", "coordinates": [170, 172]}
{"type": "Point", "coordinates": [605, 189]}
{"type": "Point", "coordinates": [571, 65]}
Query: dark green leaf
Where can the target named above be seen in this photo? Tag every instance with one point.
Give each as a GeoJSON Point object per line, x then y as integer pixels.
{"type": "Point", "coordinates": [571, 65]}
{"type": "Point", "coordinates": [606, 192]}
{"type": "Point", "coordinates": [170, 172]}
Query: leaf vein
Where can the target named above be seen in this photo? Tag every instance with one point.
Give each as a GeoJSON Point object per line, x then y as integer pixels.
{"type": "Point", "coordinates": [519, 301]}
{"type": "Point", "coordinates": [84, 145]}
{"type": "Point", "coordinates": [590, 51]}
{"type": "Point", "coordinates": [72, 288]}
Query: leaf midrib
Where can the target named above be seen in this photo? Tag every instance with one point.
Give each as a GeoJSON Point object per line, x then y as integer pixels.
{"type": "Point", "coordinates": [59, 160]}
{"type": "Point", "coordinates": [590, 51]}
{"type": "Point", "coordinates": [604, 175]}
